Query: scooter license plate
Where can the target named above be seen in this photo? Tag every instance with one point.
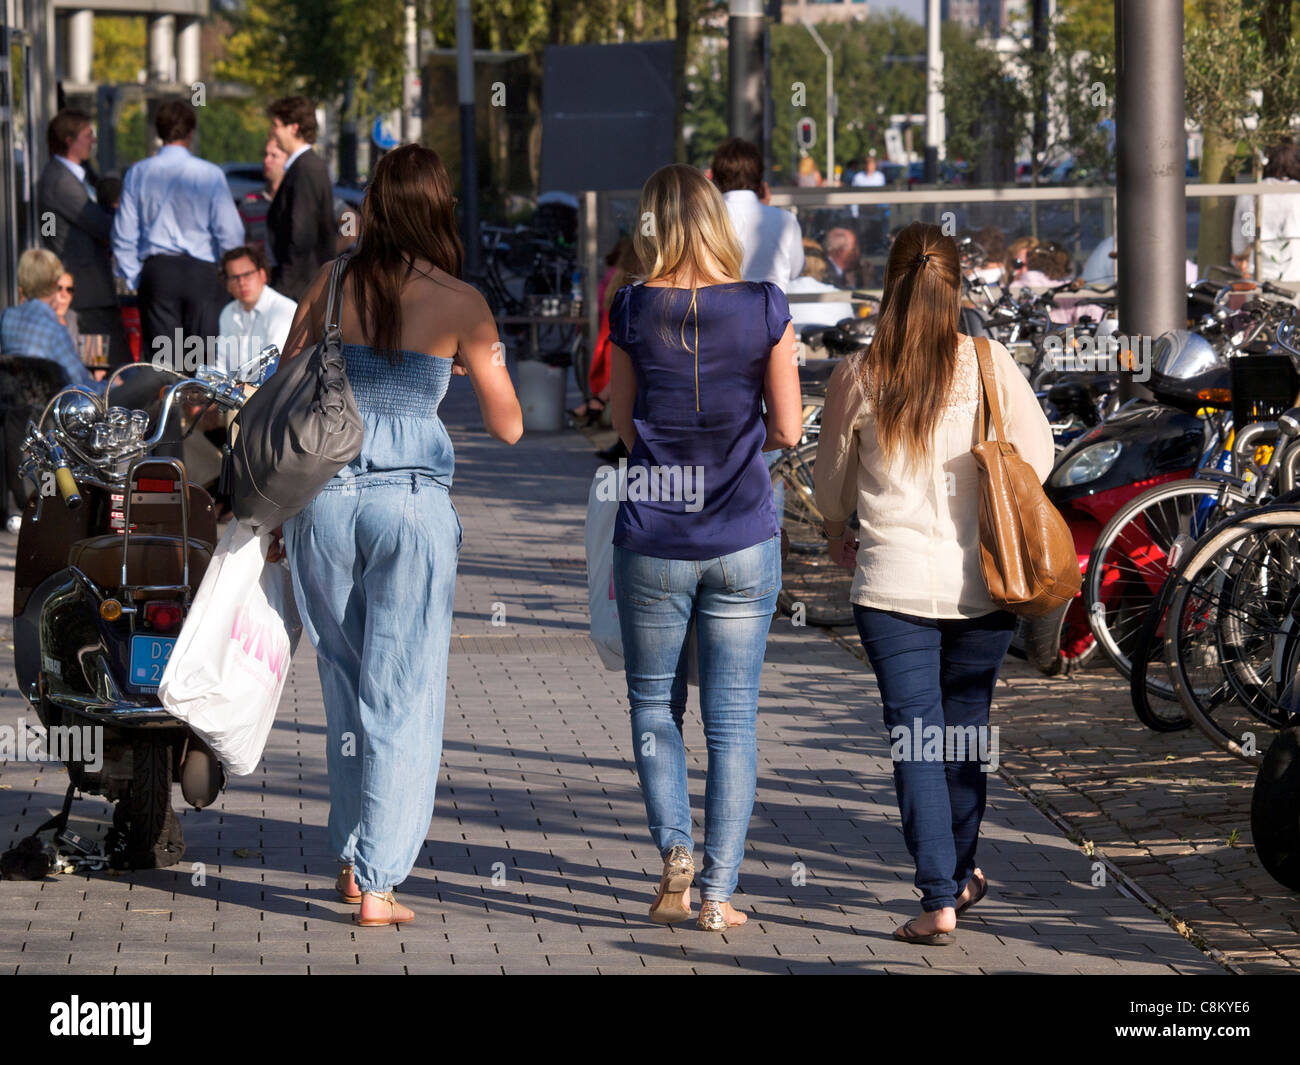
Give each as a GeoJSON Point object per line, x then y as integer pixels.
{"type": "Point", "coordinates": [149, 656]}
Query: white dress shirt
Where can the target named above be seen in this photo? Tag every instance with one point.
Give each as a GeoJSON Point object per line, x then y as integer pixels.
{"type": "Point", "coordinates": [294, 158]}
{"type": "Point", "coordinates": [803, 314]}
{"type": "Point", "coordinates": [79, 172]}
{"type": "Point", "coordinates": [1279, 233]}
{"type": "Point", "coordinates": [769, 237]}
{"type": "Point", "coordinates": [244, 333]}
{"type": "Point", "coordinates": [919, 536]}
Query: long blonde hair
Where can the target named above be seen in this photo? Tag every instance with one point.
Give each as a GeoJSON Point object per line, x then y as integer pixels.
{"type": "Point", "coordinates": [681, 215]}
{"type": "Point", "coordinates": [908, 370]}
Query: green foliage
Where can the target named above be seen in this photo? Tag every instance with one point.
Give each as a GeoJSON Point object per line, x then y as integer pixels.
{"type": "Point", "coordinates": [232, 130]}
{"type": "Point", "coordinates": [316, 47]}
{"type": "Point", "coordinates": [705, 120]}
{"type": "Point", "coordinates": [871, 82]}
{"type": "Point", "coordinates": [121, 47]}
{"type": "Point", "coordinates": [1227, 61]}
{"type": "Point", "coordinates": [987, 108]}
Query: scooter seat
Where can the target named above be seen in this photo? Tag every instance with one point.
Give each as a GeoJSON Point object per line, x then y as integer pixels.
{"type": "Point", "coordinates": [152, 558]}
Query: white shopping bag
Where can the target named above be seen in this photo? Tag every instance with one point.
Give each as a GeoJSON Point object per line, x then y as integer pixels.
{"type": "Point", "coordinates": [227, 671]}
{"type": "Point", "coordinates": [607, 487]}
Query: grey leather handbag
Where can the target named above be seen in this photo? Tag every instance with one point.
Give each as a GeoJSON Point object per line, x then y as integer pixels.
{"type": "Point", "coordinates": [298, 429]}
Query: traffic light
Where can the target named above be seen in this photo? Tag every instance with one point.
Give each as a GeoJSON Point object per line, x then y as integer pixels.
{"type": "Point", "coordinates": [805, 133]}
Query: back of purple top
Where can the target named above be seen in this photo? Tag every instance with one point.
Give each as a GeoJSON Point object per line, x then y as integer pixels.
{"type": "Point", "coordinates": [698, 487]}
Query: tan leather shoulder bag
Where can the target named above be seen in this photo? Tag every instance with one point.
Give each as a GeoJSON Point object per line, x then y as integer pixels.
{"type": "Point", "coordinates": [1027, 552]}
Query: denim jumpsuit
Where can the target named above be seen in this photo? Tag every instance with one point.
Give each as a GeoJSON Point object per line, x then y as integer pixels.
{"type": "Point", "coordinates": [374, 572]}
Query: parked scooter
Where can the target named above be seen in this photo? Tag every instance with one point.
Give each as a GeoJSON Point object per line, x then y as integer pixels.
{"type": "Point", "coordinates": [105, 575]}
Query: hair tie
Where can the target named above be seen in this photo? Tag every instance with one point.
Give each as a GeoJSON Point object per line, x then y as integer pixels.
{"type": "Point", "coordinates": [923, 258]}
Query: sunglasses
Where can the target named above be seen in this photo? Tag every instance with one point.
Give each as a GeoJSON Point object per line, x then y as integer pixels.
{"type": "Point", "coordinates": [68, 288]}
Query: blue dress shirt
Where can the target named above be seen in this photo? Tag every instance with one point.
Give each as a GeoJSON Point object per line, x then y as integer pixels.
{"type": "Point", "coordinates": [174, 203]}
{"type": "Point", "coordinates": [33, 329]}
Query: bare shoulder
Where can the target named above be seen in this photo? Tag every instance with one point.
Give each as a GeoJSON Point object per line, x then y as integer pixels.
{"type": "Point", "coordinates": [461, 301]}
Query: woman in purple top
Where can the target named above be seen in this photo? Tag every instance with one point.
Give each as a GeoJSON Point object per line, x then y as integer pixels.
{"type": "Point", "coordinates": [704, 379]}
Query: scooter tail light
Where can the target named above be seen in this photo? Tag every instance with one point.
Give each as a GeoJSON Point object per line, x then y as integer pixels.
{"type": "Point", "coordinates": [163, 616]}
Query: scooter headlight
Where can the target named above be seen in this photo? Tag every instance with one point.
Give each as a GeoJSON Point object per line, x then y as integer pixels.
{"type": "Point", "coordinates": [1092, 462]}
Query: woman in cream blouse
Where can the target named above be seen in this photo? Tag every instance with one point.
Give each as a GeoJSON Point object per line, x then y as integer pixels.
{"type": "Point", "coordinates": [895, 444]}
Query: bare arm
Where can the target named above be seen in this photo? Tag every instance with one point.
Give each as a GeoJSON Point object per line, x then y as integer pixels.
{"type": "Point", "coordinates": [622, 395]}
{"type": "Point", "coordinates": [481, 352]}
{"type": "Point", "coordinates": [781, 394]}
{"type": "Point", "coordinates": [309, 321]}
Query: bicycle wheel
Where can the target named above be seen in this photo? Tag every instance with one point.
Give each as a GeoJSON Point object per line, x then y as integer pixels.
{"type": "Point", "coordinates": [1231, 622]}
{"type": "Point", "coordinates": [1152, 692]}
{"type": "Point", "coordinates": [808, 577]}
{"type": "Point", "coordinates": [1131, 558]}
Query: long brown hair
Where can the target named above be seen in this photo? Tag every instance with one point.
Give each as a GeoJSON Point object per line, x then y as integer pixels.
{"type": "Point", "coordinates": [908, 369]}
{"type": "Point", "coordinates": [407, 214]}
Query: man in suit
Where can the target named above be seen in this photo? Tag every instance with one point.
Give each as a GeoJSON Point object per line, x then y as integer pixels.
{"type": "Point", "coordinates": [77, 229]}
{"type": "Point", "coordinates": [301, 225]}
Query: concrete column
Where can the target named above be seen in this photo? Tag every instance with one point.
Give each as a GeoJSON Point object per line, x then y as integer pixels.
{"type": "Point", "coordinates": [1151, 226]}
{"type": "Point", "coordinates": [81, 47]}
{"type": "Point", "coordinates": [162, 48]}
{"type": "Point", "coordinates": [188, 38]}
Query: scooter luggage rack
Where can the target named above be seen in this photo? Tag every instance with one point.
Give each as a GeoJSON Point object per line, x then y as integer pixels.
{"type": "Point", "coordinates": [130, 590]}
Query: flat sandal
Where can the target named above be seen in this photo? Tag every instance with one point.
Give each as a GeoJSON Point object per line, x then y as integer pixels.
{"type": "Point", "coordinates": [345, 874]}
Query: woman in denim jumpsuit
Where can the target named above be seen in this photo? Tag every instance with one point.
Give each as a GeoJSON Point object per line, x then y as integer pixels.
{"type": "Point", "coordinates": [374, 555]}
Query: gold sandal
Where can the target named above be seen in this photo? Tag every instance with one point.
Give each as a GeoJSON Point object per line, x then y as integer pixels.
{"type": "Point", "coordinates": [341, 886]}
{"type": "Point", "coordinates": [711, 917]}
{"type": "Point", "coordinates": [670, 904]}
{"type": "Point", "coordinates": [392, 918]}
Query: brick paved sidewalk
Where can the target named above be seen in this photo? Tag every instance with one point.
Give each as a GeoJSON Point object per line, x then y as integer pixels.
{"type": "Point", "coordinates": [538, 859]}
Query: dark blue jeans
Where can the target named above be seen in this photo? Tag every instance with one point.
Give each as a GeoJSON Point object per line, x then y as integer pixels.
{"type": "Point", "coordinates": [936, 679]}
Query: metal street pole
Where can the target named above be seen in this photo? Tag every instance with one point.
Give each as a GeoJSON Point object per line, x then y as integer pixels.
{"type": "Point", "coordinates": [468, 144]}
{"type": "Point", "coordinates": [933, 93]}
{"type": "Point", "coordinates": [745, 70]}
{"type": "Point", "coordinates": [830, 101]}
{"type": "Point", "coordinates": [1151, 222]}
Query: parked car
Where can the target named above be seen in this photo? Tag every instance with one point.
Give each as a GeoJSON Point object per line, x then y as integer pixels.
{"type": "Point", "coordinates": [243, 178]}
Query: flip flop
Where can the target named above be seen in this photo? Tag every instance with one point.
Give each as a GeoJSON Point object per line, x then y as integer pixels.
{"type": "Point", "coordinates": [908, 934]}
{"type": "Point", "coordinates": [982, 889]}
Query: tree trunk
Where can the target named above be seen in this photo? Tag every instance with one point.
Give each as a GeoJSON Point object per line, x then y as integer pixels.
{"type": "Point", "coordinates": [1213, 242]}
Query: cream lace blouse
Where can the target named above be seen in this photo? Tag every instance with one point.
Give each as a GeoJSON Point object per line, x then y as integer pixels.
{"type": "Point", "coordinates": [919, 535]}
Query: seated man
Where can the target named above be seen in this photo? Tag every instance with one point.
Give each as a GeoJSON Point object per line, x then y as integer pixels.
{"type": "Point", "coordinates": [257, 316]}
{"type": "Point", "coordinates": [33, 328]}
{"type": "Point", "coordinates": [813, 279]}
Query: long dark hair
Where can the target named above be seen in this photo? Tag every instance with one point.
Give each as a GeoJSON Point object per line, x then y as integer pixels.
{"type": "Point", "coordinates": [909, 367]}
{"type": "Point", "coordinates": [408, 213]}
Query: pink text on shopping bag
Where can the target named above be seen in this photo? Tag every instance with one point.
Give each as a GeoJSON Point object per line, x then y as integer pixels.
{"type": "Point", "coordinates": [261, 641]}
